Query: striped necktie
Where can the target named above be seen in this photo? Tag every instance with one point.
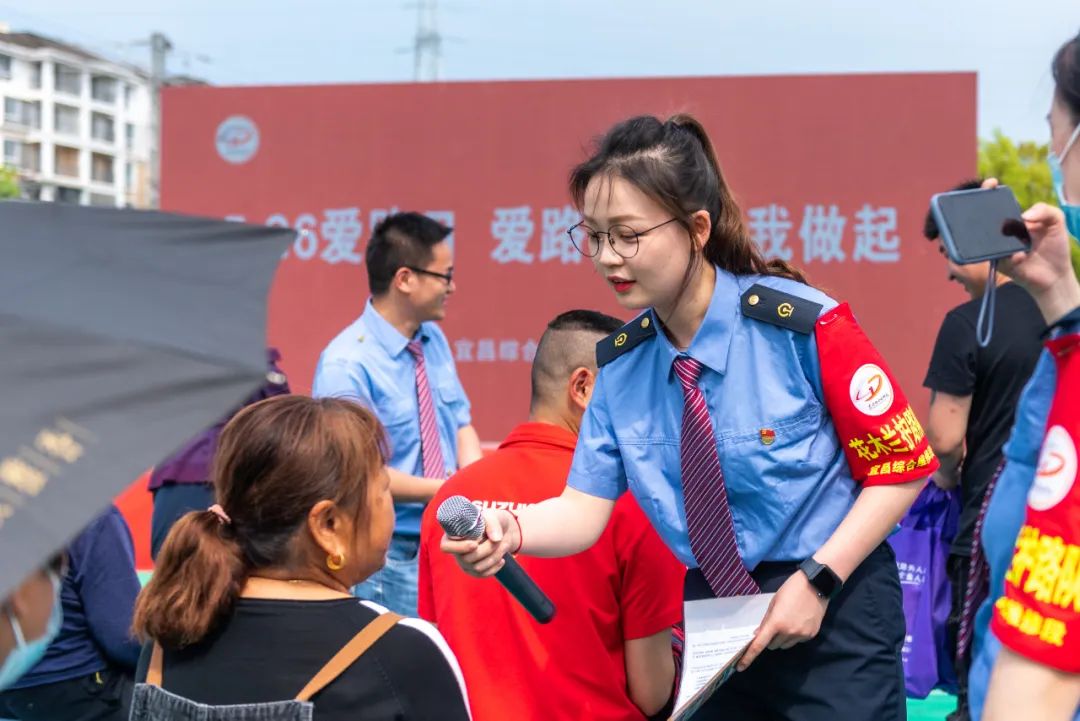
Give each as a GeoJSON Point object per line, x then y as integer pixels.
{"type": "Point", "coordinates": [708, 516]}
{"type": "Point", "coordinates": [430, 448]}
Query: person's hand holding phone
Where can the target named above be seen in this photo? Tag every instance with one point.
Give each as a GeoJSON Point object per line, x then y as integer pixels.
{"type": "Point", "coordinates": [979, 225]}
{"type": "Point", "coordinates": [1045, 270]}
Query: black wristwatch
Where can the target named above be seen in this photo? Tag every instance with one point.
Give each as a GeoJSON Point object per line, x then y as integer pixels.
{"type": "Point", "coordinates": [822, 578]}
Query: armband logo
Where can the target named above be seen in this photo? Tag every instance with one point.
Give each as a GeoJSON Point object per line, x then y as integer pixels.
{"type": "Point", "coordinates": [1056, 473]}
{"type": "Point", "coordinates": [870, 390]}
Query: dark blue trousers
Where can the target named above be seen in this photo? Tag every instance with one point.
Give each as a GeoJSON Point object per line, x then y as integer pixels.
{"type": "Point", "coordinates": [101, 696]}
{"type": "Point", "coordinates": [851, 671]}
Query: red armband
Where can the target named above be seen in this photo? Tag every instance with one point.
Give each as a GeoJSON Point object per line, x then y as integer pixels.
{"type": "Point", "coordinates": [882, 439]}
{"type": "Point", "coordinates": [1039, 614]}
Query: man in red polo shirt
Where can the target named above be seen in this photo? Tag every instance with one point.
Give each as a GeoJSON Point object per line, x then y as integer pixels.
{"type": "Point", "coordinates": [606, 656]}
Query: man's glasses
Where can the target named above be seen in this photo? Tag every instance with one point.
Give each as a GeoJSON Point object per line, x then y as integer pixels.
{"type": "Point", "coordinates": [448, 276]}
{"type": "Point", "coordinates": [623, 239]}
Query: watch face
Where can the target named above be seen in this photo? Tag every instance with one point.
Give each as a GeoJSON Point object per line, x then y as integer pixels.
{"type": "Point", "coordinates": [825, 581]}
{"type": "Point", "coordinates": [822, 578]}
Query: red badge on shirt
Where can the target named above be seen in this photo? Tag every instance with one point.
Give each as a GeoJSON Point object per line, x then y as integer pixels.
{"type": "Point", "coordinates": [1039, 615]}
{"type": "Point", "coordinates": [882, 439]}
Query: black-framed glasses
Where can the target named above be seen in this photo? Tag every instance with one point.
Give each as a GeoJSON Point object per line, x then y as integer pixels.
{"type": "Point", "coordinates": [448, 276]}
{"type": "Point", "coordinates": [623, 239]}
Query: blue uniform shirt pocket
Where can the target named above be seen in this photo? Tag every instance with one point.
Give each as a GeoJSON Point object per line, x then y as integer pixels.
{"type": "Point", "coordinates": [770, 472]}
{"type": "Point", "coordinates": [453, 400]}
{"type": "Point", "coordinates": [776, 455]}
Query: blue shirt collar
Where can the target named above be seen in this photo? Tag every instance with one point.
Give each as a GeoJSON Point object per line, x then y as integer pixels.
{"type": "Point", "coordinates": [712, 341]}
{"type": "Point", "coordinates": [1064, 324]}
{"type": "Point", "coordinates": [384, 333]}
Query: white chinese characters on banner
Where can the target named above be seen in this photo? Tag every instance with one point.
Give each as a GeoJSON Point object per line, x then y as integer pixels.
{"type": "Point", "coordinates": [338, 236]}
{"type": "Point", "coordinates": [874, 239]}
{"type": "Point", "coordinates": [341, 228]}
{"type": "Point", "coordinates": [485, 350]}
{"type": "Point", "coordinates": [508, 350]}
{"type": "Point", "coordinates": [491, 350]}
{"type": "Point", "coordinates": [513, 229]}
{"type": "Point", "coordinates": [307, 238]}
{"type": "Point", "coordinates": [555, 243]}
{"type": "Point", "coordinates": [463, 351]}
{"type": "Point", "coordinates": [769, 228]}
{"type": "Point", "coordinates": [822, 233]}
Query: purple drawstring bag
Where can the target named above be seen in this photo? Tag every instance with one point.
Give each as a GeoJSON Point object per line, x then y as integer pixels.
{"type": "Point", "coordinates": [922, 545]}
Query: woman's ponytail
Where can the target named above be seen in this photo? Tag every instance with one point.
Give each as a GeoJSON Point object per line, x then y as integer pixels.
{"type": "Point", "coordinates": [730, 245]}
{"type": "Point", "coordinates": [198, 576]}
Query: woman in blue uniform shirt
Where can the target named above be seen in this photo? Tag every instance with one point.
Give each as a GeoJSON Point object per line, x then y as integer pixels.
{"type": "Point", "coordinates": [1019, 670]}
{"type": "Point", "coordinates": [721, 410]}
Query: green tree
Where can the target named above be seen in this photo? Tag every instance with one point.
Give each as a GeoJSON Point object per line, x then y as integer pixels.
{"type": "Point", "coordinates": [1023, 167]}
{"type": "Point", "coordinates": [9, 183]}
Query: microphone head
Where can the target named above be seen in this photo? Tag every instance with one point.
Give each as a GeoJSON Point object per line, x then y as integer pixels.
{"type": "Point", "coordinates": [460, 518]}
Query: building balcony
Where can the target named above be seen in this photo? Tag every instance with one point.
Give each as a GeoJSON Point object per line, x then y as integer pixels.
{"type": "Point", "coordinates": [102, 169]}
{"type": "Point", "coordinates": [66, 162]}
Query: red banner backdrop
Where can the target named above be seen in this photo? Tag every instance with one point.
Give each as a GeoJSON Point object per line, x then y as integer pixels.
{"type": "Point", "coordinates": [832, 172]}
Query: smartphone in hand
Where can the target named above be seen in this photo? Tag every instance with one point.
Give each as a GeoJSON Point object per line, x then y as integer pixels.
{"type": "Point", "coordinates": [978, 225]}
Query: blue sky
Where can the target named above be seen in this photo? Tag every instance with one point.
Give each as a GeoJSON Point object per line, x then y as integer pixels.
{"type": "Point", "coordinates": [242, 42]}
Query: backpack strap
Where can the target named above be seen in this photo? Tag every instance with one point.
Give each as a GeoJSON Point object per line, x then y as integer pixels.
{"type": "Point", "coordinates": [348, 654]}
{"type": "Point", "coordinates": [153, 671]}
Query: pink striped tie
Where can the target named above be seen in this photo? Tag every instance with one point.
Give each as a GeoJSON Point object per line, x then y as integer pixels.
{"type": "Point", "coordinates": [430, 449]}
{"type": "Point", "coordinates": [708, 516]}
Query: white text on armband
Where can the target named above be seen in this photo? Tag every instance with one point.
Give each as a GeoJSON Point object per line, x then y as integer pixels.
{"type": "Point", "coordinates": [511, 506]}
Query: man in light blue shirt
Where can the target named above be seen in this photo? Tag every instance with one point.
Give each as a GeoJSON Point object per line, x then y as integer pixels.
{"type": "Point", "coordinates": [396, 361]}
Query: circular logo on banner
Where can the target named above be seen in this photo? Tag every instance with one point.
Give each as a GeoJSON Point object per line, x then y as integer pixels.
{"type": "Point", "coordinates": [237, 139]}
{"type": "Point", "coordinates": [1056, 473]}
{"type": "Point", "coordinates": [870, 390]}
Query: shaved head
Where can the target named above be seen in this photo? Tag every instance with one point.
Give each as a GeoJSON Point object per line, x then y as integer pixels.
{"type": "Point", "coordinates": [568, 343]}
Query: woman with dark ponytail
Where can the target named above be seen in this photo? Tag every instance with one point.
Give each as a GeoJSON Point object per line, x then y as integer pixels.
{"type": "Point", "coordinates": [755, 423]}
{"type": "Point", "coordinates": [250, 598]}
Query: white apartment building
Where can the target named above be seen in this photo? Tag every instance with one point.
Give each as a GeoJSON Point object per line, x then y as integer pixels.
{"type": "Point", "coordinates": [74, 124]}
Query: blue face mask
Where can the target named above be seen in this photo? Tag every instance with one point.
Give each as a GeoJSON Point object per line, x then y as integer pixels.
{"type": "Point", "coordinates": [1072, 212]}
{"type": "Point", "coordinates": [25, 655]}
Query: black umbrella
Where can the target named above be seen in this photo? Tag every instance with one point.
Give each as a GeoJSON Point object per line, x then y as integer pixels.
{"type": "Point", "coordinates": [121, 334]}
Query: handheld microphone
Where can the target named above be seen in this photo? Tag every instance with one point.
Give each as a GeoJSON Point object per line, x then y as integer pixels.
{"type": "Point", "coordinates": [461, 519]}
